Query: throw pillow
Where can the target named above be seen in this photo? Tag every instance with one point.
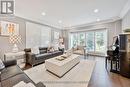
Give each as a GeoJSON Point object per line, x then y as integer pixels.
{"type": "Point", "coordinates": [56, 47]}
{"type": "Point", "coordinates": [2, 66]}
{"type": "Point", "coordinates": [35, 50]}
{"type": "Point", "coordinates": [50, 49]}
{"type": "Point", "coordinates": [61, 46]}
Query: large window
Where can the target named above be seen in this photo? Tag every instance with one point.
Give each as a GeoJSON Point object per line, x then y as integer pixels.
{"type": "Point", "coordinates": [95, 41]}
{"type": "Point", "coordinates": [37, 35]}
{"type": "Point", "coordinates": [90, 41]}
{"type": "Point", "coordinates": [74, 39]}
{"type": "Point", "coordinates": [81, 39]}
{"type": "Point", "coordinates": [77, 39]}
{"type": "Point", "coordinates": [100, 41]}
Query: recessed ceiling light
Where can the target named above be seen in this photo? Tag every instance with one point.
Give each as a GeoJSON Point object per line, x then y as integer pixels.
{"type": "Point", "coordinates": [60, 21]}
{"type": "Point", "coordinates": [98, 19]}
{"type": "Point", "coordinates": [43, 13]}
{"type": "Point", "coordinates": [96, 11]}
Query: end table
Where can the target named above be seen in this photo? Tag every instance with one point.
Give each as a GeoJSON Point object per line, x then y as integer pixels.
{"type": "Point", "coordinates": [19, 56]}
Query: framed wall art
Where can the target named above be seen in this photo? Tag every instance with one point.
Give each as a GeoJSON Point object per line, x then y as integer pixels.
{"type": "Point", "coordinates": [8, 28]}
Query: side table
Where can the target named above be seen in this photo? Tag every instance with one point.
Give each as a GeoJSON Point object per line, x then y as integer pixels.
{"type": "Point", "coordinates": [19, 56]}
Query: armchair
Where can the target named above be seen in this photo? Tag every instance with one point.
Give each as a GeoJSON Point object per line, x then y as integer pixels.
{"type": "Point", "coordinates": [79, 50]}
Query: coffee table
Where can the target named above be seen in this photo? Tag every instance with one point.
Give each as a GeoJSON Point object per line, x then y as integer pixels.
{"type": "Point", "coordinates": [60, 68]}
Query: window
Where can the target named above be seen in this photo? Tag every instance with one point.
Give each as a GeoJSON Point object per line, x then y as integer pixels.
{"type": "Point", "coordinates": [56, 35]}
{"type": "Point", "coordinates": [81, 39]}
{"type": "Point", "coordinates": [100, 41]}
{"type": "Point", "coordinates": [74, 40]}
{"type": "Point", "coordinates": [77, 39]}
{"type": "Point", "coordinates": [37, 35]}
{"type": "Point", "coordinates": [90, 41]}
{"type": "Point", "coordinates": [95, 41]}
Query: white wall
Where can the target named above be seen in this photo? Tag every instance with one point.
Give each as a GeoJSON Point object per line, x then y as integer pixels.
{"type": "Point", "coordinates": [113, 28]}
{"type": "Point", "coordinates": [5, 46]}
{"type": "Point", "coordinates": [126, 21]}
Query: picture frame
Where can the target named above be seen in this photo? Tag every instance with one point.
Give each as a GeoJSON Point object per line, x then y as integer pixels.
{"type": "Point", "coordinates": [8, 28]}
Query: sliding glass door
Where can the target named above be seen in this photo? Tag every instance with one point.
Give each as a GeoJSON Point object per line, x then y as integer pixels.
{"type": "Point", "coordinates": [95, 41]}
{"type": "Point", "coordinates": [81, 39]}
{"type": "Point", "coordinates": [90, 41]}
{"type": "Point", "coordinates": [73, 40]}
{"type": "Point", "coordinates": [77, 39]}
{"type": "Point", "coordinates": [100, 41]}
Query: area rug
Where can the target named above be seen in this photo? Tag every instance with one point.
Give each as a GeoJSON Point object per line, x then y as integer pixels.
{"type": "Point", "coordinates": [79, 76]}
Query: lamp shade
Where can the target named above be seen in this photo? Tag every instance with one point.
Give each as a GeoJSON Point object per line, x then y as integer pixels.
{"type": "Point", "coordinates": [14, 39]}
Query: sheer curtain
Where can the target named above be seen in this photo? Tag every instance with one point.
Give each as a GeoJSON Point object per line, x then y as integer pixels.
{"type": "Point", "coordinates": [37, 35]}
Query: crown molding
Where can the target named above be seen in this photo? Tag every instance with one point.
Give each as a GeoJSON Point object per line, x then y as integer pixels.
{"type": "Point", "coordinates": [125, 9]}
{"type": "Point", "coordinates": [41, 22]}
{"type": "Point", "coordinates": [94, 23]}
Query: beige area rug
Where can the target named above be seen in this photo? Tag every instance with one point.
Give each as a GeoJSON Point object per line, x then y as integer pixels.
{"type": "Point", "coordinates": [79, 76]}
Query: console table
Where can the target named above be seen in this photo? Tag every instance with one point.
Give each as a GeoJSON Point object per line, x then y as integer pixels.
{"type": "Point", "coordinates": [19, 56]}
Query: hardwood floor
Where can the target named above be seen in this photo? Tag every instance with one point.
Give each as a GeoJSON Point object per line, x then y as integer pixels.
{"type": "Point", "coordinates": [101, 77]}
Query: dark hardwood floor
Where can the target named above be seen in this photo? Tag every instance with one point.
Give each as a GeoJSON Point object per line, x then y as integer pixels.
{"type": "Point", "coordinates": [102, 77]}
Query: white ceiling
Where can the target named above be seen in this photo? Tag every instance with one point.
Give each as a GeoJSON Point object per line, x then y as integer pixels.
{"type": "Point", "coordinates": [71, 12]}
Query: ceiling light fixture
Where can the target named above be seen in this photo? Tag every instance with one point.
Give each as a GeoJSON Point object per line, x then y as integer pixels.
{"type": "Point", "coordinates": [96, 11]}
{"type": "Point", "coordinates": [43, 13]}
{"type": "Point", "coordinates": [98, 20]}
{"type": "Point", "coordinates": [60, 21]}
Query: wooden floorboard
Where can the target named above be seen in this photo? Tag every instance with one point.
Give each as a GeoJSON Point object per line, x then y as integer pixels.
{"type": "Point", "coordinates": [102, 77]}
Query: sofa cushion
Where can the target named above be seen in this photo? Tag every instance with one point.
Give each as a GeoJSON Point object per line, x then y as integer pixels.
{"type": "Point", "coordinates": [43, 51]}
{"type": "Point", "coordinates": [56, 52]}
{"type": "Point", "coordinates": [42, 56]}
{"type": "Point", "coordinates": [10, 72]}
{"type": "Point", "coordinates": [43, 48]}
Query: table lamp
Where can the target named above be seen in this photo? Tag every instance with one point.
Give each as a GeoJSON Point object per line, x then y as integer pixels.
{"type": "Point", "coordinates": [15, 39]}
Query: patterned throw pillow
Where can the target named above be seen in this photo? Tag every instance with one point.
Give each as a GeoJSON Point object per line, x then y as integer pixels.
{"type": "Point", "coordinates": [35, 50]}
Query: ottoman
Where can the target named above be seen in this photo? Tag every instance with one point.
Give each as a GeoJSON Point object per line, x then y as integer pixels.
{"type": "Point", "coordinates": [60, 68]}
